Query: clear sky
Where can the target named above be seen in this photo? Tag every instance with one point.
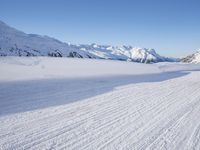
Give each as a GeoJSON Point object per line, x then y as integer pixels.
{"type": "Point", "coordinates": [172, 27]}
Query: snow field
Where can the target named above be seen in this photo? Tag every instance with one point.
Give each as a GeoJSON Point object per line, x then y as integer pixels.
{"type": "Point", "coordinates": [104, 105]}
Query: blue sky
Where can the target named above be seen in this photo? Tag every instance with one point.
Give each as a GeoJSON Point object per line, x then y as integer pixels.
{"type": "Point", "coordinates": [172, 27]}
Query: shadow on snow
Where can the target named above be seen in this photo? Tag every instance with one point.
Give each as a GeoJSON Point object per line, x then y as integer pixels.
{"type": "Point", "coordinates": [24, 96]}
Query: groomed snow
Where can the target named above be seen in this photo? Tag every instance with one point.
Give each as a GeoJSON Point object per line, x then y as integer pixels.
{"type": "Point", "coordinates": [61, 103]}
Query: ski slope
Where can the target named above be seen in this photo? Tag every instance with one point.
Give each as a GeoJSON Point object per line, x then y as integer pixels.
{"type": "Point", "coordinates": [60, 103]}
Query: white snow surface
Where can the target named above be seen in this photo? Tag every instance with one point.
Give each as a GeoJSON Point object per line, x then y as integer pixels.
{"type": "Point", "coordinates": [62, 103]}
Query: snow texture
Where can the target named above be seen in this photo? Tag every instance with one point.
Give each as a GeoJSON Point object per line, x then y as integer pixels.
{"type": "Point", "coordinates": [62, 103]}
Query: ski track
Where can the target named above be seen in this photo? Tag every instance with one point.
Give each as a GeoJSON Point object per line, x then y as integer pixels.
{"type": "Point", "coordinates": [163, 116]}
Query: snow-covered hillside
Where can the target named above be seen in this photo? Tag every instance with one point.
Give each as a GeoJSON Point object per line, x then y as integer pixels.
{"type": "Point", "coordinates": [62, 103]}
{"type": "Point", "coordinates": [17, 43]}
{"type": "Point", "coordinates": [194, 58]}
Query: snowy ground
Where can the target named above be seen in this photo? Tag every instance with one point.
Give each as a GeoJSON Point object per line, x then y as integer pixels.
{"type": "Point", "coordinates": [60, 103]}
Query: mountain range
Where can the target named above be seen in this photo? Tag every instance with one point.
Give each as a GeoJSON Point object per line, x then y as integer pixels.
{"type": "Point", "coordinates": [17, 43]}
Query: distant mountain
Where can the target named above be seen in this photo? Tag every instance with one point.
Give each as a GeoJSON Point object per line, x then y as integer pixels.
{"type": "Point", "coordinates": [127, 53]}
{"type": "Point", "coordinates": [193, 58]}
{"type": "Point", "coordinates": [17, 43]}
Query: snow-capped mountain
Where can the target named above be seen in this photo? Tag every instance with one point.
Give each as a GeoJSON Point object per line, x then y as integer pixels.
{"type": "Point", "coordinates": [127, 53]}
{"type": "Point", "coordinates": [17, 43]}
{"type": "Point", "coordinates": [194, 58]}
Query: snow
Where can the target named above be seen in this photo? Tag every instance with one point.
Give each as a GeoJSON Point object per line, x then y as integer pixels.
{"type": "Point", "coordinates": [136, 54]}
{"type": "Point", "coordinates": [197, 57]}
{"type": "Point", "coordinates": [193, 58]}
{"type": "Point", "coordinates": [17, 43]}
{"type": "Point", "coordinates": [30, 68]}
{"type": "Point", "coordinates": [62, 103]}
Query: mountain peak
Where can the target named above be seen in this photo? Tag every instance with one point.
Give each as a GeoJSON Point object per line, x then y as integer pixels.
{"type": "Point", "coordinates": [193, 58]}
{"type": "Point", "coordinates": [16, 43]}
